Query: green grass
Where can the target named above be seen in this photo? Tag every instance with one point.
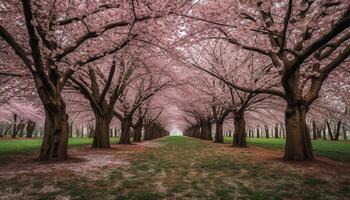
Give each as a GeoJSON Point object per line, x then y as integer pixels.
{"type": "Point", "coordinates": [18, 146]}
{"type": "Point", "coordinates": [336, 150]}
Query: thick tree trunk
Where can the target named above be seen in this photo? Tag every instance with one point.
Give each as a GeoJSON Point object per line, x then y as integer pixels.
{"type": "Point", "coordinates": [258, 132]}
{"type": "Point", "coordinates": [206, 132]}
{"type": "Point", "coordinates": [219, 134]}
{"type": "Point", "coordinates": [101, 137]}
{"type": "Point", "coordinates": [196, 132]}
{"type": "Point", "coordinates": [298, 143]}
{"type": "Point", "coordinates": [239, 137]}
{"type": "Point", "coordinates": [55, 141]}
{"type": "Point", "coordinates": [125, 134]}
{"type": "Point", "coordinates": [30, 129]}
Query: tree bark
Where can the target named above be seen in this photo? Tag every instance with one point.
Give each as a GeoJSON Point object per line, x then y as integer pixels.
{"type": "Point", "coordinates": [267, 134]}
{"type": "Point", "coordinates": [206, 132]}
{"type": "Point", "coordinates": [125, 134]}
{"type": "Point", "coordinates": [329, 130]}
{"type": "Point", "coordinates": [55, 141]}
{"type": "Point", "coordinates": [71, 130]}
{"type": "Point", "coordinates": [276, 131]}
{"type": "Point", "coordinates": [101, 136]}
{"type": "Point", "coordinates": [21, 127]}
{"type": "Point", "coordinates": [138, 131]}
{"type": "Point", "coordinates": [30, 129]}
{"type": "Point", "coordinates": [337, 133]}
{"type": "Point", "coordinates": [239, 136]}
{"type": "Point", "coordinates": [344, 133]}
{"type": "Point", "coordinates": [219, 134]}
{"type": "Point", "coordinates": [314, 130]}
{"type": "Point", "coordinates": [298, 144]}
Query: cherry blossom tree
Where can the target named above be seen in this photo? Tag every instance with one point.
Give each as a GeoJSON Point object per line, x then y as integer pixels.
{"type": "Point", "coordinates": [303, 40]}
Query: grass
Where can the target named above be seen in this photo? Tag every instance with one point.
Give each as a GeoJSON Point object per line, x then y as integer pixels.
{"type": "Point", "coordinates": [18, 146]}
{"type": "Point", "coordinates": [187, 168]}
{"type": "Point", "coordinates": [336, 150]}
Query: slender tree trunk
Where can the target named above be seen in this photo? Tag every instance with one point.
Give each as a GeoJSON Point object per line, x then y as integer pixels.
{"type": "Point", "coordinates": [71, 130]}
{"type": "Point", "coordinates": [282, 128]}
{"type": "Point", "coordinates": [30, 129]}
{"type": "Point", "coordinates": [138, 131]}
{"type": "Point", "coordinates": [329, 130]}
{"type": "Point", "coordinates": [15, 127]}
{"type": "Point", "coordinates": [21, 127]}
{"type": "Point", "coordinates": [257, 132]}
{"type": "Point", "coordinates": [324, 136]}
{"type": "Point", "coordinates": [55, 141]}
{"type": "Point", "coordinates": [337, 133]}
{"type": "Point", "coordinates": [219, 134]}
{"type": "Point", "coordinates": [276, 131]}
{"type": "Point", "coordinates": [125, 134]}
{"type": "Point", "coordinates": [239, 137]}
{"type": "Point", "coordinates": [147, 132]}
{"type": "Point", "coordinates": [314, 130]}
{"type": "Point", "coordinates": [298, 143]}
{"type": "Point", "coordinates": [101, 137]}
{"type": "Point", "coordinates": [344, 133]}
{"type": "Point", "coordinates": [267, 135]}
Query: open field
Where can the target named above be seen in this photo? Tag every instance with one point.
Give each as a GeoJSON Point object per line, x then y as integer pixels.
{"type": "Point", "coordinates": [174, 168]}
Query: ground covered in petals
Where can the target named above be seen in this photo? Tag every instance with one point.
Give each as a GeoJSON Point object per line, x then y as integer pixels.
{"type": "Point", "coordinates": [174, 168]}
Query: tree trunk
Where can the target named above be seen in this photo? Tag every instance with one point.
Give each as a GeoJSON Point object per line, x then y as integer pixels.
{"type": "Point", "coordinates": [219, 134]}
{"type": "Point", "coordinates": [257, 132]}
{"type": "Point", "coordinates": [21, 127]}
{"type": "Point", "coordinates": [55, 141]}
{"type": "Point", "coordinates": [30, 129]}
{"type": "Point", "coordinates": [276, 131]}
{"type": "Point", "coordinates": [206, 132]}
{"type": "Point", "coordinates": [282, 128]}
{"type": "Point", "coordinates": [138, 131]}
{"type": "Point", "coordinates": [344, 133]}
{"type": "Point", "coordinates": [298, 144]}
{"type": "Point", "coordinates": [329, 130]}
{"type": "Point", "coordinates": [267, 134]}
{"type": "Point", "coordinates": [239, 137]}
{"type": "Point", "coordinates": [15, 128]}
{"type": "Point", "coordinates": [314, 130]}
{"type": "Point", "coordinates": [125, 134]}
{"type": "Point", "coordinates": [71, 130]}
{"type": "Point", "coordinates": [324, 136]}
{"type": "Point", "coordinates": [337, 133]}
{"type": "Point", "coordinates": [101, 137]}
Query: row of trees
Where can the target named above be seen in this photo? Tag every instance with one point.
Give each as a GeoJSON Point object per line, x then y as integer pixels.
{"type": "Point", "coordinates": [229, 63]}
{"type": "Point", "coordinates": [285, 49]}
{"type": "Point", "coordinates": [82, 53]}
